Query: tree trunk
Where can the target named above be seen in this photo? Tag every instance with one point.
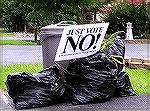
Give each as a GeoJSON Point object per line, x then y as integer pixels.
{"type": "Point", "coordinates": [88, 16]}
{"type": "Point", "coordinates": [35, 34]}
{"type": "Point", "coordinates": [25, 26]}
{"type": "Point", "coordinates": [94, 15]}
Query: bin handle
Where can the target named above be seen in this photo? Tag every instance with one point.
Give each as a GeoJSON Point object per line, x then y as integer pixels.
{"type": "Point", "coordinates": [66, 23]}
{"type": "Point", "coordinates": [63, 24]}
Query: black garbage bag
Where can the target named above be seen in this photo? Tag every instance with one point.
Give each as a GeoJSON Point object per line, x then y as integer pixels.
{"type": "Point", "coordinates": [97, 78]}
{"type": "Point", "coordinates": [91, 79]}
{"type": "Point", "coordinates": [116, 48]}
{"type": "Point", "coordinates": [123, 86]}
{"type": "Point", "coordinates": [42, 89]}
{"type": "Point", "coordinates": [116, 52]}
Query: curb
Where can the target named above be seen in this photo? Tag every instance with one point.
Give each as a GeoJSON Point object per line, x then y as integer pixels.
{"type": "Point", "coordinates": [136, 63]}
{"type": "Point", "coordinates": [137, 41]}
{"type": "Point", "coordinates": [4, 103]}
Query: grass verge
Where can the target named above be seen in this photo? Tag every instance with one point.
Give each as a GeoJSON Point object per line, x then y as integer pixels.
{"type": "Point", "coordinates": [13, 68]}
{"type": "Point", "coordinates": [7, 35]}
{"type": "Point", "coordinates": [16, 42]}
{"type": "Point", "coordinates": [140, 80]}
{"type": "Point", "coordinates": [139, 77]}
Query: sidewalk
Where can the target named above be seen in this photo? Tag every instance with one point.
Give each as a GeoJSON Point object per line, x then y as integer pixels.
{"type": "Point", "coordinates": [3, 104]}
{"type": "Point", "coordinates": [130, 103]}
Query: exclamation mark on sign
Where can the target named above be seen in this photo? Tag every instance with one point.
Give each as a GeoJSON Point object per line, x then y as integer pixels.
{"type": "Point", "coordinates": [98, 36]}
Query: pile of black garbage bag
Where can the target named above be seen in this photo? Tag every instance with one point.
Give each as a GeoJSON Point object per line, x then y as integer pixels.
{"type": "Point", "coordinates": [91, 79]}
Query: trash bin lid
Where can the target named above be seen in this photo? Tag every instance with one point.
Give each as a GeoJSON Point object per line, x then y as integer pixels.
{"type": "Point", "coordinates": [54, 29]}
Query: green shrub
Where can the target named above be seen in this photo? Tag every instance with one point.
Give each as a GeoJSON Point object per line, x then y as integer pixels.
{"type": "Point", "coordinates": [122, 13]}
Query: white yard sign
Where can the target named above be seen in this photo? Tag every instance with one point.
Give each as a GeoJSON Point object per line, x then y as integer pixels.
{"type": "Point", "coordinates": [79, 41]}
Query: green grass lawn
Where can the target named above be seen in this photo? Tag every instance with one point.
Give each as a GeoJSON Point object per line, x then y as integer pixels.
{"type": "Point", "coordinates": [139, 77]}
{"type": "Point", "coordinates": [3, 33]}
{"type": "Point", "coordinates": [140, 80]}
{"type": "Point", "coordinates": [7, 35]}
{"type": "Point", "coordinates": [13, 68]}
{"type": "Point", "coordinates": [16, 42]}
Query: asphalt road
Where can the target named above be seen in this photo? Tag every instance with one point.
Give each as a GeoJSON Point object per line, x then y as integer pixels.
{"type": "Point", "coordinates": [137, 50]}
{"type": "Point", "coordinates": [17, 54]}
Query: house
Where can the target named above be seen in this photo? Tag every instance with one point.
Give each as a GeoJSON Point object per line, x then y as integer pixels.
{"type": "Point", "coordinates": [138, 1]}
{"type": "Point", "coordinates": [132, 1]}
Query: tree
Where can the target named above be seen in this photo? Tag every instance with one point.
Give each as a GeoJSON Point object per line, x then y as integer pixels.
{"type": "Point", "coordinates": [67, 9]}
{"type": "Point", "coordinates": [124, 12]}
{"type": "Point", "coordinates": [14, 14]}
{"type": "Point", "coordinates": [49, 11]}
{"type": "Point", "coordinates": [1, 12]}
{"type": "Point", "coordinates": [43, 12]}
